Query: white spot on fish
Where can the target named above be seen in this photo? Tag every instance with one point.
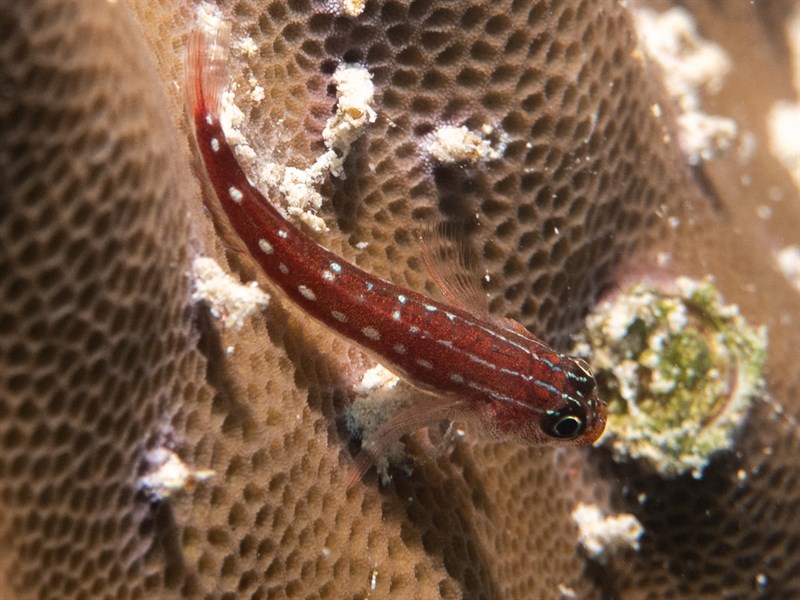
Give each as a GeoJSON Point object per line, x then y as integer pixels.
{"type": "Point", "coordinates": [328, 276]}
{"type": "Point", "coordinates": [424, 363]}
{"type": "Point", "coordinates": [371, 333]}
{"type": "Point", "coordinates": [336, 267]}
{"type": "Point", "coordinates": [265, 246]}
{"type": "Point", "coordinates": [283, 269]}
{"type": "Point", "coordinates": [214, 145]}
{"type": "Point", "coordinates": [399, 348]}
{"type": "Point", "coordinates": [306, 292]}
{"type": "Point", "coordinates": [451, 316]}
{"type": "Point", "coordinates": [341, 317]}
{"type": "Point", "coordinates": [282, 234]}
{"type": "Point", "coordinates": [413, 329]}
{"type": "Point", "coordinates": [235, 194]}
{"type": "Point", "coordinates": [396, 315]}
{"type": "Point", "coordinates": [456, 378]}
{"type": "Point", "coordinates": [430, 308]}
{"type": "Point", "coordinates": [401, 299]}
{"type": "Point", "coordinates": [369, 285]}
{"type": "Point", "coordinates": [209, 119]}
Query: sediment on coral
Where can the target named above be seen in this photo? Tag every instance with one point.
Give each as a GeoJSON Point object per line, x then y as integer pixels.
{"type": "Point", "coordinates": [106, 359]}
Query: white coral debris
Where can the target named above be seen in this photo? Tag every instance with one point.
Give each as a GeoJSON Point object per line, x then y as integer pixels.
{"type": "Point", "coordinates": [783, 124]}
{"type": "Point", "coordinates": [689, 65]}
{"type": "Point", "coordinates": [351, 8]}
{"type": "Point", "coordinates": [355, 95]}
{"type": "Point", "coordinates": [601, 536]}
{"type": "Point", "coordinates": [450, 144]}
{"type": "Point", "coordinates": [228, 300]}
{"type": "Point", "coordinates": [566, 592]}
{"type": "Point", "coordinates": [247, 46]}
{"type": "Point", "coordinates": [788, 260]}
{"type": "Point", "coordinates": [704, 136]}
{"type": "Point", "coordinates": [378, 396]}
{"type": "Point", "coordinates": [208, 16]}
{"type": "Point", "coordinates": [257, 94]}
{"type": "Point", "coordinates": [170, 475]}
{"type": "Point", "coordinates": [783, 120]}
{"type": "Point", "coordinates": [231, 118]}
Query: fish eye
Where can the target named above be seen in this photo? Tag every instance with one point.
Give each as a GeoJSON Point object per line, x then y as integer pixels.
{"type": "Point", "coordinates": [565, 426]}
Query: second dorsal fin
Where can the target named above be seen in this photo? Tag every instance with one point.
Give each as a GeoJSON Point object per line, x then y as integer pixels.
{"type": "Point", "coordinates": [449, 265]}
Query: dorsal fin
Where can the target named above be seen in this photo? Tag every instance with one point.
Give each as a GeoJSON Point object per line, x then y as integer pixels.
{"type": "Point", "coordinates": [448, 261]}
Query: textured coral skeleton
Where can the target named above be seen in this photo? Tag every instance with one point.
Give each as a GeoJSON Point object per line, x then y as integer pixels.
{"type": "Point", "coordinates": [104, 357]}
{"type": "Point", "coordinates": [466, 364]}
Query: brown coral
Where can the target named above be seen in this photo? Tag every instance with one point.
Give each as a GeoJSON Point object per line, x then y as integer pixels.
{"type": "Point", "coordinates": [104, 358]}
{"type": "Point", "coordinates": [97, 348]}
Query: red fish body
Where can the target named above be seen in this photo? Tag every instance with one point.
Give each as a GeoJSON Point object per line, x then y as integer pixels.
{"type": "Point", "coordinates": [470, 365]}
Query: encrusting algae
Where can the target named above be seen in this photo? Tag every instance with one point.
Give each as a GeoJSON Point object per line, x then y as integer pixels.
{"type": "Point", "coordinates": [679, 370]}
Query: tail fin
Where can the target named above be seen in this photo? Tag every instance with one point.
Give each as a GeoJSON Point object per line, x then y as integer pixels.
{"type": "Point", "coordinates": [207, 66]}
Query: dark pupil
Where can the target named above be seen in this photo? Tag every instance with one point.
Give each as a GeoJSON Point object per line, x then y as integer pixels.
{"type": "Point", "coordinates": [567, 427]}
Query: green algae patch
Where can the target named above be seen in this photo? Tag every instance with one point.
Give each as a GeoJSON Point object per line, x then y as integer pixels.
{"type": "Point", "coordinates": [679, 371]}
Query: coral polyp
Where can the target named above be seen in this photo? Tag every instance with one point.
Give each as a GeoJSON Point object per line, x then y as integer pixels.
{"type": "Point", "coordinates": [679, 369]}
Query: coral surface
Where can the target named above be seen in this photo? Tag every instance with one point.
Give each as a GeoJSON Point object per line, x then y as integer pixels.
{"type": "Point", "coordinates": [111, 368]}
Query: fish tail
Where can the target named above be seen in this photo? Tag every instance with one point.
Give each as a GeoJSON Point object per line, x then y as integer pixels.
{"type": "Point", "coordinates": [207, 66]}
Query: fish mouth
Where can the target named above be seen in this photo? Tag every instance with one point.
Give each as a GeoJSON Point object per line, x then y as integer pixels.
{"type": "Point", "coordinates": [596, 426]}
